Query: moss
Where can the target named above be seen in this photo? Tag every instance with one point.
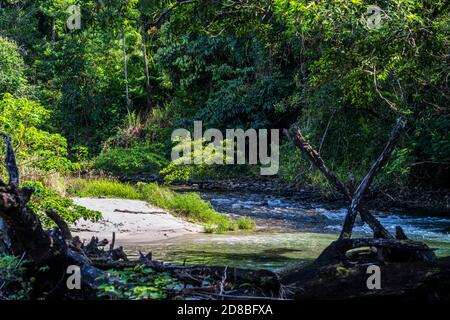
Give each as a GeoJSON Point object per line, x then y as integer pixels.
{"type": "Point", "coordinates": [342, 272]}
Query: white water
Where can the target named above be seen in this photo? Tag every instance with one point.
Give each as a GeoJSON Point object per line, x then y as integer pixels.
{"type": "Point", "coordinates": [289, 232]}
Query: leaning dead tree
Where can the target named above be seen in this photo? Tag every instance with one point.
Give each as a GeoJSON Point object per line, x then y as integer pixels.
{"type": "Point", "coordinates": [382, 237]}
{"type": "Point", "coordinates": [314, 157]}
{"type": "Point", "coordinates": [384, 248]}
{"type": "Point", "coordinates": [354, 197]}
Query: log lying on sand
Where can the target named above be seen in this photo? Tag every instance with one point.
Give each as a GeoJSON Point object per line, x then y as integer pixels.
{"type": "Point", "coordinates": [56, 249]}
{"type": "Point", "coordinates": [44, 248]}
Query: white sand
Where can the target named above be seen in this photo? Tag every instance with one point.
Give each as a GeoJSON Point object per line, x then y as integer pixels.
{"type": "Point", "coordinates": [133, 222]}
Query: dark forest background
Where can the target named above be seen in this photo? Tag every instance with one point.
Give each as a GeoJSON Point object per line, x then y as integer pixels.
{"type": "Point", "coordinates": [107, 96]}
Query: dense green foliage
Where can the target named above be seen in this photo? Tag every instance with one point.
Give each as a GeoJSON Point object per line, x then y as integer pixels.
{"type": "Point", "coordinates": [36, 148]}
{"type": "Point", "coordinates": [12, 77]}
{"type": "Point", "coordinates": [265, 64]}
{"type": "Point", "coordinates": [13, 282]}
{"type": "Point", "coordinates": [128, 161]}
{"type": "Point", "coordinates": [45, 199]}
{"type": "Point", "coordinates": [138, 283]}
{"type": "Point", "coordinates": [190, 206]}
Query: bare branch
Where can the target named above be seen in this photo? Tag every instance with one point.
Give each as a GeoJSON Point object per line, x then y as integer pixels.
{"type": "Point", "coordinates": [11, 164]}
{"type": "Point", "coordinates": [362, 188]}
{"type": "Point", "coordinates": [314, 157]}
{"type": "Point", "coordinates": [163, 17]}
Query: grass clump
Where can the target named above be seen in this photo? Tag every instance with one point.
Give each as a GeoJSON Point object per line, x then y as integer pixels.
{"type": "Point", "coordinates": [189, 206]}
{"type": "Point", "coordinates": [245, 223]}
{"type": "Point", "coordinates": [103, 188]}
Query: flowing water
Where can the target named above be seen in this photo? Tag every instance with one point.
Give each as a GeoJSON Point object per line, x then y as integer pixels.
{"type": "Point", "coordinates": [289, 232]}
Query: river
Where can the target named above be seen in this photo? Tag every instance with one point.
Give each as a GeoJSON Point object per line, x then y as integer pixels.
{"type": "Point", "coordinates": [289, 232]}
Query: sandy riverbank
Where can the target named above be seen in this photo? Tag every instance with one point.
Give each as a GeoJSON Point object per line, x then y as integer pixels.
{"type": "Point", "coordinates": [133, 221]}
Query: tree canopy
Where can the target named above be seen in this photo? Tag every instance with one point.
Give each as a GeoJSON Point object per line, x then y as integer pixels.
{"type": "Point", "coordinates": [237, 63]}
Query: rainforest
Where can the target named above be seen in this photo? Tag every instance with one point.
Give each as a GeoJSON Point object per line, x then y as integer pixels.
{"type": "Point", "coordinates": [320, 170]}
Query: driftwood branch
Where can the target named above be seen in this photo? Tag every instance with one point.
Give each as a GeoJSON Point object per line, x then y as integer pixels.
{"type": "Point", "coordinates": [316, 160]}
{"type": "Point", "coordinates": [364, 185]}
{"type": "Point", "coordinates": [11, 164]}
{"type": "Point", "coordinates": [62, 225]}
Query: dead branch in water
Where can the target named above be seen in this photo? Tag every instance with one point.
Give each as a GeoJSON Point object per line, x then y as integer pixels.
{"type": "Point", "coordinates": [386, 252]}
{"type": "Point", "coordinates": [364, 185]}
{"type": "Point", "coordinates": [316, 160]}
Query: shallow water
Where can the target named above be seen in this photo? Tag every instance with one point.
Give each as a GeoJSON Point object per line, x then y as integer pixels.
{"type": "Point", "coordinates": [289, 231]}
{"type": "Point", "coordinates": [258, 250]}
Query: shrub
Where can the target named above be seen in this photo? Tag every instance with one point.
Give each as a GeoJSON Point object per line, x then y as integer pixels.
{"type": "Point", "coordinates": [13, 286]}
{"type": "Point", "coordinates": [35, 148]}
{"type": "Point", "coordinates": [45, 199]}
{"type": "Point", "coordinates": [245, 223]}
{"type": "Point", "coordinates": [211, 166]}
{"type": "Point", "coordinates": [12, 77]}
{"type": "Point", "coordinates": [127, 161]}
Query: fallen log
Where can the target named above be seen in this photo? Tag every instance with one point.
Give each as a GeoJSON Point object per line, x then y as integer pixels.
{"type": "Point", "coordinates": [42, 248]}
{"type": "Point", "coordinates": [408, 280]}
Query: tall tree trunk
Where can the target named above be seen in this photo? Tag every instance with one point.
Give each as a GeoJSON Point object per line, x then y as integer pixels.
{"type": "Point", "coordinates": [53, 29]}
{"type": "Point", "coordinates": [125, 68]}
{"type": "Point", "coordinates": [148, 88]}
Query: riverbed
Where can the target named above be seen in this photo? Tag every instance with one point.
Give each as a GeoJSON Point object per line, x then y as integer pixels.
{"type": "Point", "coordinates": [290, 231]}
